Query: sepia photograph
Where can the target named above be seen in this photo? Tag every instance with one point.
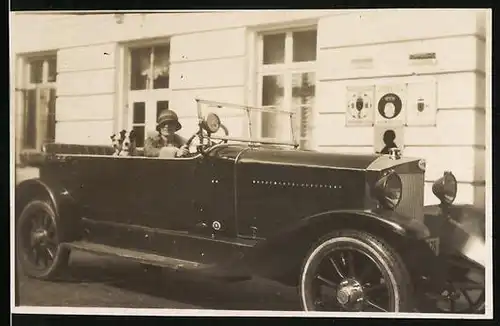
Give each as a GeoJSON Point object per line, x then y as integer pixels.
{"type": "Point", "coordinates": [252, 163]}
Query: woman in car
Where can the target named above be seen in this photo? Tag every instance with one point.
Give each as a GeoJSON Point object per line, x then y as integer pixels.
{"type": "Point", "coordinates": [166, 140]}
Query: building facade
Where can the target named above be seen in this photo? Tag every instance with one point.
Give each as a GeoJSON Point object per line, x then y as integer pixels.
{"type": "Point", "coordinates": [349, 75]}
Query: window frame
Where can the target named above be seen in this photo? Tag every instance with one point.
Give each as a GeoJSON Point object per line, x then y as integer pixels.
{"type": "Point", "coordinates": [150, 96]}
{"type": "Point", "coordinates": [286, 69]}
{"type": "Point", "coordinates": [24, 85]}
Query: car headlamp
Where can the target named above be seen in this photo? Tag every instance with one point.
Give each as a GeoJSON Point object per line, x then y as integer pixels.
{"type": "Point", "coordinates": [445, 188]}
{"type": "Point", "coordinates": [389, 190]}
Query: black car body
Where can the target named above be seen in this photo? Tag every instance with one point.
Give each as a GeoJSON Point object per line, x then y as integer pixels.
{"type": "Point", "coordinates": [237, 209]}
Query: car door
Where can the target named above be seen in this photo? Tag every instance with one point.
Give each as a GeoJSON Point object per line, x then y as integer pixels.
{"type": "Point", "coordinates": [97, 187]}
{"type": "Point", "coordinates": [101, 188]}
{"type": "Point", "coordinates": [163, 193]}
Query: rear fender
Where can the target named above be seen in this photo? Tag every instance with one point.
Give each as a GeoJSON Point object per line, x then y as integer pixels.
{"type": "Point", "coordinates": [286, 251]}
{"type": "Point", "coordinates": [63, 204]}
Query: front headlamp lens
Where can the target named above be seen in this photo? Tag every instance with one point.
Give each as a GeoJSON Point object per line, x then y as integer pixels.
{"type": "Point", "coordinates": [445, 188]}
{"type": "Point", "coordinates": [389, 190]}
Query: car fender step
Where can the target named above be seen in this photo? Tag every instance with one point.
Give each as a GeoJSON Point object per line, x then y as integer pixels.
{"type": "Point", "coordinates": [138, 256]}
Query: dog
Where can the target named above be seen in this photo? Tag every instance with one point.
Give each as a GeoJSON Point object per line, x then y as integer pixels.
{"type": "Point", "coordinates": [124, 143]}
{"type": "Point", "coordinates": [116, 141]}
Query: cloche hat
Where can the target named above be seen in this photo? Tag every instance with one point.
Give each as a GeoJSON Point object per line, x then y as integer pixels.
{"type": "Point", "coordinates": [168, 116]}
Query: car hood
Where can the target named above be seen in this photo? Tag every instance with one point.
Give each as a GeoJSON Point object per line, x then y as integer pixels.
{"type": "Point", "coordinates": [372, 162]}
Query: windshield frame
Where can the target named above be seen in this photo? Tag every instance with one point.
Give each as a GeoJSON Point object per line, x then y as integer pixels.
{"type": "Point", "coordinates": [249, 109]}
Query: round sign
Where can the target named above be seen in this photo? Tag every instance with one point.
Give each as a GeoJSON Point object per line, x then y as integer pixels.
{"type": "Point", "coordinates": [389, 106]}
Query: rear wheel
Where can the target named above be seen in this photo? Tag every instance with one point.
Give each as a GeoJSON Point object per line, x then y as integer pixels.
{"type": "Point", "coordinates": [354, 271]}
{"type": "Point", "coordinates": [39, 252]}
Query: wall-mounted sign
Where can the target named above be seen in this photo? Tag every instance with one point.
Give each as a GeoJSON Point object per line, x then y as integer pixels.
{"type": "Point", "coordinates": [423, 59]}
{"type": "Point", "coordinates": [421, 105]}
{"type": "Point", "coordinates": [423, 56]}
{"type": "Point", "coordinates": [359, 105]}
{"type": "Point", "coordinates": [362, 63]}
{"type": "Point", "coordinates": [387, 137]}
{"type": "Point", "coordinates": [390, 104]}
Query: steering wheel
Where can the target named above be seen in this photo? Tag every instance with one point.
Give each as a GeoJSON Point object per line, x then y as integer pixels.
{"type": "Point", "coordinates": [203, 134]}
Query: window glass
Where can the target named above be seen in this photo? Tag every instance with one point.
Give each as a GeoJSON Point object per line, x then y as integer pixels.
{"type": "Point", "coordinates": [303, 88]}
{"type": "Point", "coordinates": [139, 132]}
{"type": "Point", "coordinates": [274, 49]}
{"type": "Point", "coordinates": [160, 106]}
{"type": "Point", "coordinates": [304, 46]}
{"type": "Point", "coordinates": [272, 90]}
{"type": "Point", "coordinates": [140, 69]}
{"type": "Point", "coordinates": [272, 95]}
{"type": "Point", "coordinates": [30, 126]}
{"type": "Point", "coordinates": [36, 71]}
{"type": "Point", "coordinates": [303, 95]}
{"type": "Point", "coordinates": [161, 66]}
{"type": "Point", "coordinates": [52, 66]}
{"type": "Point", "coordinates": [51, 117]}
{"type": "Point", "coordinates": [139, 112]}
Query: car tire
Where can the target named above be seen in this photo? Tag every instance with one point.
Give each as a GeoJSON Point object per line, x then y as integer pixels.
{"type": "Point", "coordinates": [37, 240]}
{"type": "Point", "coordinates": [378, 280]}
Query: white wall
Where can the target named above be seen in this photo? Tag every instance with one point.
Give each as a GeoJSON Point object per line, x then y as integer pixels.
{"type": "Point", "coordinates": [86, 94]}
{"type": "Point", "coordinates": [61, 31]}
{"type": "Point", "coordinates": [457, 142]}
{"type": "Point", "coordinates": [208, 65]}
{"type": "Point", "coordinates": [213, 66]}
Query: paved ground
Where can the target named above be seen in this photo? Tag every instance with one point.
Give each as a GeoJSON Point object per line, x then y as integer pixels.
{"type": "Point", "coordinates": [108, 282]}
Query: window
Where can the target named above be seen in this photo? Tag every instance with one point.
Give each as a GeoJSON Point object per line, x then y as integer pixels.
{"type": "Point", "coordinates": [39, 102]}
{"type": "Point", "coordinates": [149, 87]}
{"type": "Point", "coordinates": [286, 77]}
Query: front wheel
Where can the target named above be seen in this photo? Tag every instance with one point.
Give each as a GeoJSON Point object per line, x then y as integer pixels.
{"type": "Point", "coordinates": [354, 271]}
{"type": "Point", "coordinates": [39, 252]}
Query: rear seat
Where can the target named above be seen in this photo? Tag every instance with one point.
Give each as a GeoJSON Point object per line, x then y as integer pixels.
{"type": "Point", "coordinates": [60, 148]}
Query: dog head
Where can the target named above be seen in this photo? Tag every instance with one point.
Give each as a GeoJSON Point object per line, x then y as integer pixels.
{"type": "Point", "coordinates": [116, 141]}
{"type": "Point", "coordinates": [124, 143]}
{"type": "Point", "coordinates": [128, 142]}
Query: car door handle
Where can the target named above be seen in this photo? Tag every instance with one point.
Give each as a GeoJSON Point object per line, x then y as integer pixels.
{"type": "Point", "coordinates": [202, 224]}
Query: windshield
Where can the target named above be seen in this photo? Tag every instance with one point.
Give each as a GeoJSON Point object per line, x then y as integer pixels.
{"type": "Point", "coordinates": [250, 124]}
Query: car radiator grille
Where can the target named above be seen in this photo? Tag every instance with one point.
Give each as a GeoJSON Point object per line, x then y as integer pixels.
{"type": "Point", "coordinates": [412, 201]}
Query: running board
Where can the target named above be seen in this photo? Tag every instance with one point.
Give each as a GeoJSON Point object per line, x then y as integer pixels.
{"type": "Point", "coordinates": [138, 256]}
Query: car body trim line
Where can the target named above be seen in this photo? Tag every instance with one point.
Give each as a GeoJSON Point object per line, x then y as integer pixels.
{"type": "Point", "coordinates": [242, 243]}
{"type": "Point", "coordinates": [127, 157]}
{"type": "Point", "coordinates": [235, 185]}
{"type": "Point", "coordinates": [138, 256]}
{"type": "Point", "coordinates": [255, 161]}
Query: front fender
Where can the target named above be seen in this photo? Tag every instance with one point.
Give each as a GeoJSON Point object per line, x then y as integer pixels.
{"type": "Point", "coordinates": [286, 250]}
{"type": "Point", "coordinates": [461, 230]}
{"type": "Point", "coordinates": [387, 219]}
{"type": "Point", "coordinates": [62, 202]}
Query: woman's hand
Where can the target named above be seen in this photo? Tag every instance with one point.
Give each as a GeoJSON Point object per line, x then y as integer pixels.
{"type": "Point", "coordinates": [182, 151]}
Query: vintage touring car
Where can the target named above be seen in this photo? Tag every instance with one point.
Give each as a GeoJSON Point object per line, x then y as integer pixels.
{"type": "Point", "coordinates": [349, 231]}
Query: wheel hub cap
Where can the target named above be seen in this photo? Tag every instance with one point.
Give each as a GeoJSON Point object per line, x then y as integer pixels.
{"type": "Point", "coordinates": [38, 236]}
{"type": "Point", "coordinates": [350, 294]}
